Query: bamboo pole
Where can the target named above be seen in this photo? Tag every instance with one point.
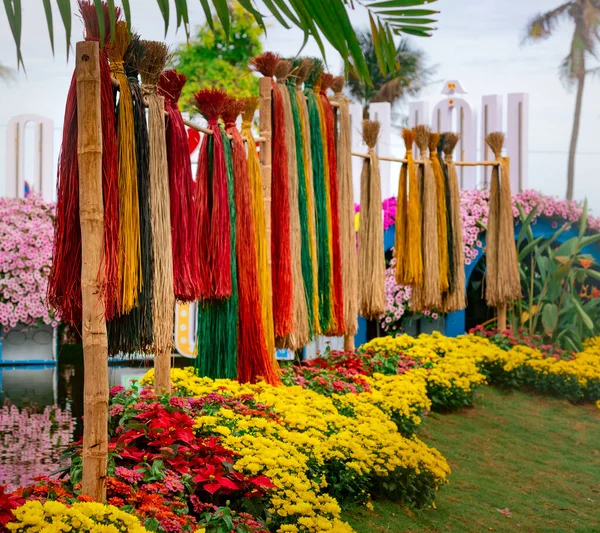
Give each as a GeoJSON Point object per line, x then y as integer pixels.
{"type": "Point", "coordinates": [95, 343]}
{"type": "Point", "coordinates": [502, 318]}
{"type": "Point", "coordinates": [348, 343]}
{"type": "Point", "coordinates": [265, 153]}
{"type": "Point", "coordinates": [418, 161]}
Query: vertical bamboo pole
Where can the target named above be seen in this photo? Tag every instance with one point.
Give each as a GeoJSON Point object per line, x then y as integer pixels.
{"type": "Point", "coordinates": [95, 343]}
{"type": "Point", "coordinates": [265, 152]}
{"type": "Point", "coordinates": [502, 318]}
{"type": "Point", "coordinates": [349, 343]}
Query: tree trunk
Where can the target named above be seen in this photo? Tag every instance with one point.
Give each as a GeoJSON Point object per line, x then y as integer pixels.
{"type": "Point", "coordinates": [95, 343]}
{"type": "Point", "coordinates": [574, 136]}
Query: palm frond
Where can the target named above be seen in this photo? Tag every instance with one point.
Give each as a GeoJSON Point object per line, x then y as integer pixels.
{"type": "Point", "coordinates": [542, 25]}
{"type": "Point", "coordinates": [6, 74]}
{"type": "Point", "coordinates": [323, 20]}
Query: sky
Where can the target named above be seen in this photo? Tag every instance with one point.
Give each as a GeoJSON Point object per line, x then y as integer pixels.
{"type": "Point", "coordinates": [477, 43]}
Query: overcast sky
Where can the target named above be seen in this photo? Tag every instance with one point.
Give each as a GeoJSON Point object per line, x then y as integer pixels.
{"type": "Point", "coordinates": [477, 42]}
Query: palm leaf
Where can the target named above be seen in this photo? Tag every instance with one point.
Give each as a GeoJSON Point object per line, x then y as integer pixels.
{"type": "Point", "coordinates": [48, 12]}
{"type": "Point", "coordinates": [64, 8]}
{"type": "Point", "coordinates": [13, 14]}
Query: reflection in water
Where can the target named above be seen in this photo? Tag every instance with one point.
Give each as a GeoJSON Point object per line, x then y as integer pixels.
{"type": "Point", "coordinates": [42, 414]}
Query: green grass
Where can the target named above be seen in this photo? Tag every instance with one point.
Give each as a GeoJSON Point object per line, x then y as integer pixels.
{"type": "Point", "coordinates": [539, 457]}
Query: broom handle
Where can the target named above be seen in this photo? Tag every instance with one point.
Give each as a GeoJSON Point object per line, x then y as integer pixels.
{"type": "Point", "coordinates": [502, 317]}
{"type": "Point", "coordinates": [93, 328]}
{"type": "Point", "coordinates": [265, 154]}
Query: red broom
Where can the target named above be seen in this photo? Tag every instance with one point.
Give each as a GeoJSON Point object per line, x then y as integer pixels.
{"type": "Point", "coordinates": [186, 271]}
{"type": "Point", "coordinates": [213, 225]}
{"type": "Point", "coordinates": [254, 360]}
{"type": "Point", "coordinates": [281, 267]}
{"type": "Point", "coordinates": [64, 286]}
{"type": "Point", "coordinates": [338, 298]}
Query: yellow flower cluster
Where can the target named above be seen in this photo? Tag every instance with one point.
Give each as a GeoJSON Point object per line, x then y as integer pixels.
{"type": "Point", "coordinates": [450, 364]}
{"type": "Point", "coordinates": [55, 517]}
{"type": "Point", "coordinates": [346, 436]}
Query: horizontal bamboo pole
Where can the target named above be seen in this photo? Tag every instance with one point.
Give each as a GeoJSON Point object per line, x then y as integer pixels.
{"type": "Point", "coordinates": [418, 161]}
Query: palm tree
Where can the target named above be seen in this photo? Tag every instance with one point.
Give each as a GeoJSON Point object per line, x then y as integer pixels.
{"type": "Point", "coordinates": [585, 16]}
{"type": "Point", "coordinates": [407, 79]}
{"type": "Point", "coordinates": [322, 20]}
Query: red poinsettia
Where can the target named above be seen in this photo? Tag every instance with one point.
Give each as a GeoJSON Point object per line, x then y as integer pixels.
{"type": "Point", "coordinates": [8, 502]}
{"type": "Point", "coordinates": [213, 479]}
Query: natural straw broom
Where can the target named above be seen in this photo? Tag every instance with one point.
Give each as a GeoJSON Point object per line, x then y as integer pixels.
{"type": "Point", "coordinates": [346, 207]}
{"type": "Point", "coordinates": [371, 258]}
{"type": "Point", "coordinates": [442, 213]}
{"type": "Point", "coordinates": [431, 295]}
{"type": "Point", "coordinates": [303, 68]}
{"type": "Point", "coordinates": [130, 267]}
{"type": "Point", "coordinates": [258, 212]}
{"type": "Point", "coordinates": [503, 282]}
{"type": "Point", "coordinates": [301, 334]}
{"type": "Point", "coordinates": [186, 271]}
{"type": "Point", "coordinates": [333, 191]}
{"type": "Point", "coordinates": [163, 300]}
{"type": "Point", "coordinates": [282, 281]}
{"type": "Point", "coordinates": [253, 359]}
{"type": "Point", "coordinates": [455, 300]}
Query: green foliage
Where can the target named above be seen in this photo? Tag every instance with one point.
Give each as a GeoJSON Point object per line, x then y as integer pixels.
{"type": "Point", "coordinates": [210, 59]}
{"type": "Point", "coordinates": [556, 302]}
{"type": "Point", "coordinates": [327, 21]}
{"type": "Point", "coordinates": [407, 79]}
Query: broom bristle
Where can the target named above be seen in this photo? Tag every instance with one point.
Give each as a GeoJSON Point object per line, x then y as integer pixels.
{"type": "Point", "coordinates": [408, 136]}
{"type": "Point", "coordinates": [314, 72]}
{"type": "Point", "coordinates": [284, 68]}
{"type": "Point", "coordinates": [153, 61]}
{"type": "Point", "coordinates": [422, 133]}
{"type": "Point", "coordinates": [250, 105]}
{"type": "Point", "coordinates": [171, 83]}
{"type": "Point", "coordinates": [116, 52]}
{"type": "Point", "coordinates": [434, 139]}
{"type": "Point", "coordinates": [210, 103]}
{"type": "Point", "coordinates": [337, 84]}
{"type": "Point", "coordinates": [370, 132]}
{"type": "Point", "coordinates": [495, 141]}
{"type": "Point", "coordinates": [89, 15]}
{"type": "Point", "coordinates": [265, 64]}
{"type": "Point", "coordinates": [326, 81]}
{"type": "Point", "coordinates": [449, 142]}
{"type": "Point", "coordinates": [231, 111]}
{"type": "Point", "coordinates": [303, 67]}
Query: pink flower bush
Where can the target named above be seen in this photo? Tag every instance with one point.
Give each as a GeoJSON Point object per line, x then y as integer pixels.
{"type": "Point", "coordinates": [26, 235]}
{"type": "Point", "coordinates": [474, 207]}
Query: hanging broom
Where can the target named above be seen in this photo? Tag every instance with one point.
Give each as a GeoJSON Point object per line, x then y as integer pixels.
{"type": "Point", "coordinates": [455, 300]}
{"type": "Point", "coordinates": [282, 281]}
{"type": "Point", "coordinates": [218, 309]}
{"type": "Point", "coordinates": [302, 201]}
{"type": "Point", "coordinates": [429, 296]}
{"type": "Point", "coordinates": [303, 68]}
{"type": "Point", "coordinates": [130, 275]}
{"type": "Point", "coordinates": [186, 272]}
{"type": "Point", "coordinates": [503, 282]}
{"type": "Point", "coordinates": [254, 360]}
{"type": "Point", "coordinates": [371, 258]}
{"type": "Point", "coordinates": [260, 227]}
{"type": "Point", "coordinates": [322, 217]}
{"type": "Point", "coordinates": [442, 213]}
{"type": "Point", "coordinates": [449, 234]}
{"type": "Point", "coordinates": [333, 206]}
{"type": "Point", "coordinates": [64, 284]}
{"type": "Point", "coordinates": [132, 332]}
{"type": "Point", "coordinates": [301, 334]}
{"type": "Point", "coordinates": [163, 299]}
{"type": "Point", "coordinates": [346, 209]}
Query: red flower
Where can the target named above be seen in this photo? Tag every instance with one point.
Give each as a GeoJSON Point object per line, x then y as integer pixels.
{"type": "Point", "coordinates": [8, 502]}
{"type": "Point", "coordinates": [214, 480]}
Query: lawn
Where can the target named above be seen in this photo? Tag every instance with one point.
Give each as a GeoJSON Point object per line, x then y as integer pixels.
{"type": "Point", "coordinates": [536, 459]}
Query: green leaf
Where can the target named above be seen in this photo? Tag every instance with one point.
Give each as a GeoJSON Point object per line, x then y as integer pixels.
{"type": "Point", "coordinates": [13, 14]}
{"type": "Point", "coordinates": [591, 239]}
{"type": "Point", "coordinates": [101, 21]}
{"type": "Point", "coordinates": [287, 11]}
{"type": "Point", "coordinates": [377, 46]}
{"type": "Point", "coordinates": [223, 13]}
{"type": "Point", "coordinates": [592, 273]}
{"type": "Point", "coordinates": [208, 14]}
{"type": "Point", "coordinates": [390, 48]}
{"type": "Point", "coordinates": [589, 323]}
{"type": "Point", "coordinates": [411, 30]}
{"type": "Point", "coordinates": [406, 20]}
{"type": "Point", "coordinates": [525, 222]}
{"type": "Point", "coordinates": [112, 18]}
{"type": "Point", "coordinates": [64, 8]}
{"type": "Point", "coordinates": [549, 318]}
{"type": "Point", "coordinates": [163, 5]}
{"type": "Point", "coordinates": [127, 13]}
{"type": "Point", "coordinates": [408, 12]}
{"type": "Point", "coordinates": [583, 223]}
{"type": "Point", "coordinates": [567, 248]}
{"type": "Point", "coordinates": [48, 11]}
{"type": "Point", "coordinates": [395, 3]}
{"type": "Point", "coordinates": [276, 13]}
{"type": "Point", "coordinates": [247, 4]}
{"type": "Point", "coordinates": [529, 247]}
